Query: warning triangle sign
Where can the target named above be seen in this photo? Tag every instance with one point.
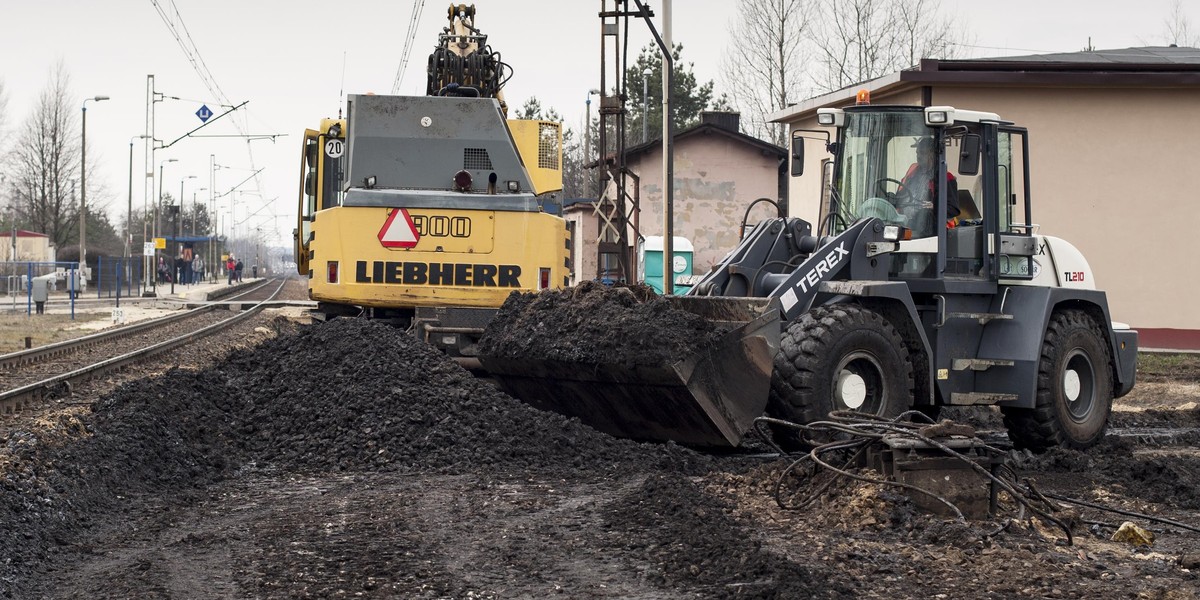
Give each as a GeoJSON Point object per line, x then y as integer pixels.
{"type": "Point", "coordinates": [399, 233]}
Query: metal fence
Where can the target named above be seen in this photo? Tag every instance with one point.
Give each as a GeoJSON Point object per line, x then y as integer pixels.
{"type": "Point", "coordinates": [118, 277]}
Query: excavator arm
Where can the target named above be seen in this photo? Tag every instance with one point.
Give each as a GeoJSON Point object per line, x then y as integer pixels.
{"type": "Point", "coordinates": [463, 64]}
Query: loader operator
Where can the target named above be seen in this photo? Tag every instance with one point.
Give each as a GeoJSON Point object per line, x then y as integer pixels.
{"type": "Point", "coordinates": [917, 193]}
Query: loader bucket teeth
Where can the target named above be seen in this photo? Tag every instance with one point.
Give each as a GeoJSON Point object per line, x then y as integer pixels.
{"type": "Point", "coordinates": [708, 399]}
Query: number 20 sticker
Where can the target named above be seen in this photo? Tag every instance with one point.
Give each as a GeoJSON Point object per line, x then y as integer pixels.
{"type": "Point", "coordinates": [334, 148]}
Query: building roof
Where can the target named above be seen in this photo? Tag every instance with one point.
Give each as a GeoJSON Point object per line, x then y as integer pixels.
{"type": "Point", "coordinates": [1148, 55]}
{"type": "Point", "coordinates": [25, 233]}
{"type": "Point", "coordinates": [1152, 66]}
{"type": "Point", "coordinates": [704, 129]}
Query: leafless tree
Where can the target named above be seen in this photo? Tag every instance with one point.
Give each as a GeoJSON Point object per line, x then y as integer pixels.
{"type": "Point", "coordinates": [1177, 29]}
{"type": "Point", "coordinates": [3, 117]}
{"type": "Point", "coordinates": [925, 33]}
{"type": "Point", "coordinates": [45, 165]}
{"type": "Point", "coordinates": [859, 40]}
{"type": "Point", "coordinates": [764, 69]}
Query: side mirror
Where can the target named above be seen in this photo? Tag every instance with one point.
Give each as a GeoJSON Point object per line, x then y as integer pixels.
{"type": "Point", "coordinates": [310, 184]}
{"type": "Point", "coordinates": [797, 156]}
{"type": "Point", "coordinates": [968, 157]}
{"type": "Point", "coordinates": [310, 155]}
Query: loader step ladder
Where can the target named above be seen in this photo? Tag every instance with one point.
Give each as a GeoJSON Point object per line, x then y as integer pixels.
{"type": "Point", "coordinates": [980, 364]}
{"type": "Point", "coordinates": [983, 318]}
{"type": "Point", "coordinates": [972, 398]}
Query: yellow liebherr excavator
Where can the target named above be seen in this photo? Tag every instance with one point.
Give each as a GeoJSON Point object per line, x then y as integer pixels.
{"type": "Point", "coordinates": [429, 210]}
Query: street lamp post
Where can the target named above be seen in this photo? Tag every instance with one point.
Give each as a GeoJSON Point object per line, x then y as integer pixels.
{"type": "Point", "coordinates": [195, 208]}
{"type": "Point", "coordinates": [646, 105]}
{"type": "Point", "coordinates": [587, 127]}
{"type": "Point", "coordinates": [83, 185]}
{"type": "Point", "coordinates": [158, 201]}
{"type": "Point", "coordinates": [129, 214]}
{"type": "Point", "coordinates": [177, 270]}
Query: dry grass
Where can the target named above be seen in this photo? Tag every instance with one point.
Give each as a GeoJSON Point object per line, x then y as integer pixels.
{"type": "Point", "coordinates": [42, 329]}
{"type": "Point", "coordinates": [1167, 364]}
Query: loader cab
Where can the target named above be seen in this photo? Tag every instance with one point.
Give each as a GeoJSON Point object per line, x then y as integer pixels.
{"type": "Point", "coordinates": [949, 179]}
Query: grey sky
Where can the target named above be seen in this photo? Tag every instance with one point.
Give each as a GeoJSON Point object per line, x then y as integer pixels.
{"type": "Point", "coordinates": [286, 59]}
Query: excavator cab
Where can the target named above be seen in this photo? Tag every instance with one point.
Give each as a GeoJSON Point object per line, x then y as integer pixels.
{"type": "Point", "coordinates": [320, 189]}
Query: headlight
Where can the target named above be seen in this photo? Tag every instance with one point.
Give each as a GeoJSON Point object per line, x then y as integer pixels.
{"type": "Point", "coordinates": [895, 233]}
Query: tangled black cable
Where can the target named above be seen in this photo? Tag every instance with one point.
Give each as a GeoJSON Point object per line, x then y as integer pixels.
{"type": "Point", "coordinates": [857, 432]}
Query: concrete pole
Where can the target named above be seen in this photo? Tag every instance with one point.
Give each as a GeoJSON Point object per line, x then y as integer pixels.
{"type": "Point", "coordinates": [668, 159]}
{"type": "Point", "coordinates": [83, 186]}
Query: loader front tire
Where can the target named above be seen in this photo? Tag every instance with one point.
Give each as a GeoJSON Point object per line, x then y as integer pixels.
{"type": "Point", "coordinates": [1074, 388]}
{"type": "Point", "coordinates": [842, 357]}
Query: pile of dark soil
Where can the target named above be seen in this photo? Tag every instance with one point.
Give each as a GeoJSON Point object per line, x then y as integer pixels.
{"type": "Point", "coordinates": [348, 395]}
{"type": "Point", "coordinates": [594, 323]}
{"type": "Point", "coordinates": [348, 459]}
{"type": "Point", "coordinates": [1171, 478]}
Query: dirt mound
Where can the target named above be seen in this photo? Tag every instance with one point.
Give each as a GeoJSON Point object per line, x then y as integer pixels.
{"type": "Point", "coordinates": [1156, 418]}
{"type": "Point", "coordinates": [348, 459]}
{"type": "Point", "coordinates": [595, 323]}
{"type": "Point", "coordinates": [397, 403]}
{"type": "Point", "coordinates": [1168, 476]}
{"type": "Point", "coordinates": [695, 543]}
{"type": "Point", "coordinates": [344, 395]}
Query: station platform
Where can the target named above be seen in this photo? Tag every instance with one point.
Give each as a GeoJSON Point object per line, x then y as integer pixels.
{"type": "Point", "coordinates": [158, 302]}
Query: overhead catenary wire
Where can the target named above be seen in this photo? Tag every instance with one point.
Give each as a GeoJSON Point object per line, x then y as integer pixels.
{"type": "Point", "coordinates": [413, 23]}
{"type": "Point", "coordinates": [173, 19]}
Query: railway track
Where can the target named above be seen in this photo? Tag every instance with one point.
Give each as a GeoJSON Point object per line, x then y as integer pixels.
{"type": "Point", "coordinates": [30, 375]}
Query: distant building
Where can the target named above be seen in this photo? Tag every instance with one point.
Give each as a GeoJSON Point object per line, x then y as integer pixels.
{"type": "Point", "coordinates": [1113, 138]}
{"type": "Point", "coordinates": [718, 173]}
{"type": "Point", "coordinates": [31, 246]}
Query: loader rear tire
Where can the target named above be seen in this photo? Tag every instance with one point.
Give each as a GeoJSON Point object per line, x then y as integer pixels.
{"type": "Point", "coordinates": [1074, 388]}
{"type": "Point", "coordinates": [842, 357]}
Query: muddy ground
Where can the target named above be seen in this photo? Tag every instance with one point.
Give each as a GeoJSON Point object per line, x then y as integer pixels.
{"type": "Point", "coordinates": [347, 460]}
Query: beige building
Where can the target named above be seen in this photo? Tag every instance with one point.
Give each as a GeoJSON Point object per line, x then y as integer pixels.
{"type": "Point", "coordinates": [718, 173]}
{"type": "Point", "coordinates": [1113, 135]}
{"type": "Point", "coordinates": [30, 246]}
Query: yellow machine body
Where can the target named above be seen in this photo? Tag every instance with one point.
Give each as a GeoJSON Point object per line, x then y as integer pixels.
{"type": "Point", "coordinates": [473, 245]}
{"type": "Point", "coordinates": [471, 258]}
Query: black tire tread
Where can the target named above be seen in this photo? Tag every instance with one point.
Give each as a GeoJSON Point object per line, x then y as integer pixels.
{"type": "Point", "coordinates": [1039, 428]}
{"type": "Point", "coordinates": [804, 349]}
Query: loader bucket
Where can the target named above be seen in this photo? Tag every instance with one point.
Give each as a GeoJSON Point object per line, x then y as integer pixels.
{"type": "Point", "coordinates": [708, 399]}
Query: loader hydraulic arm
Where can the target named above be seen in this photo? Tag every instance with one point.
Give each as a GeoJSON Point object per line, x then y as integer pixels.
{"type": "Point", "coordinates": [773, 246]}
{"type": "Point", "coordinates": [779, 259]}
{"type": "Point", "coordinates": [843, 257]}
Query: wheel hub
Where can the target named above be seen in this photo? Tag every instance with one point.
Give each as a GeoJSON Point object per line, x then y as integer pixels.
{"type": "Point", "coordinates": [1079, 385]}
{"type": "Point", "coordinates": [1071, 384]}
{"type": "Point", "coordinates": [851, 389]}
{"type": "Point", "coordinates": [859, 383]}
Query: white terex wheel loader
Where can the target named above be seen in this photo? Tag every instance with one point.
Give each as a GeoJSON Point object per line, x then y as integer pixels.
{"type": "Point", "coordinates": [926, 285]}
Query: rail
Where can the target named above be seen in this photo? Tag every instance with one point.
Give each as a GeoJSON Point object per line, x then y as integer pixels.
{"type": "Point", "coordinates": [15, 399]}
{"type": "Point", "coordinates": [33, 355]}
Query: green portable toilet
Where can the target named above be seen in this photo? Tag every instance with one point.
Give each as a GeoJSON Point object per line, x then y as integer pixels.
{"type": "Point", "coordinates": [650, 262]}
